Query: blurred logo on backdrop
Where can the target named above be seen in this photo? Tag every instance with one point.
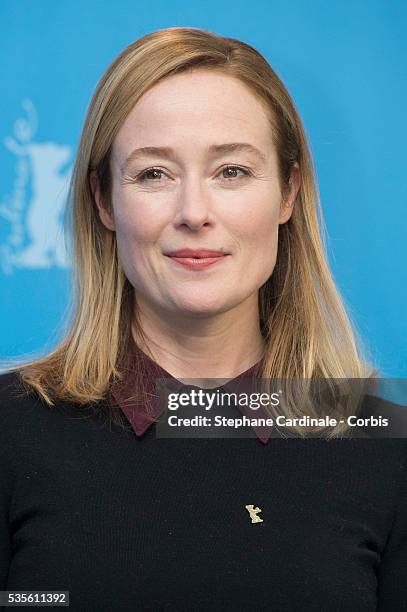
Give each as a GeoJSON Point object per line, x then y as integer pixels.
{"type": "Point", "coordinates": [33, 213]}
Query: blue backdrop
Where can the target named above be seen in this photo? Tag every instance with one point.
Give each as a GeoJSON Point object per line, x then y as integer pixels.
{"type": "Point", "coordinates": [345, 66]}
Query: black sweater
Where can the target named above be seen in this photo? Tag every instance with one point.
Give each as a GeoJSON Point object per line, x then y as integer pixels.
{"type": "Point", "coordinates": [126, 522]}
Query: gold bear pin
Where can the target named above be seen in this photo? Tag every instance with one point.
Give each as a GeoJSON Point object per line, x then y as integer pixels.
{"type": "Point", "coordinates": [253, 513]}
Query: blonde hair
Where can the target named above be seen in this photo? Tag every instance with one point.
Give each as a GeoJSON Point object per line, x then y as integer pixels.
{"type": "Point", "coordinates": [307, 331]}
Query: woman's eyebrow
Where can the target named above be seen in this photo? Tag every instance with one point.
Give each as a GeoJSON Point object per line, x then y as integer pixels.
{"type": "Point", "coordinates": [213, 151]}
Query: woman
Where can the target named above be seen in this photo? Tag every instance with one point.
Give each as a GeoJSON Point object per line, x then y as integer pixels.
{"type": "Point", "coordinates": [197, 253]}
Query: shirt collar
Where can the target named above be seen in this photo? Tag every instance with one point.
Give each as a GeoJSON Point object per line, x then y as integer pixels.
{"type": "Point", "coordinates": [125, 394]}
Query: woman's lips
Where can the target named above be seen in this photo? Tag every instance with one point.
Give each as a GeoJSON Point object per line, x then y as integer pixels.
{"type": "Point", "coordinates": [193, 263]}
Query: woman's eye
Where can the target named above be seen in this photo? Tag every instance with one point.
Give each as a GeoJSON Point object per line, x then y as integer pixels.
{"type": "Point", "coordinates": [152, 174]}
{"type": "Point", "coordinates": [156, 174]}
{"type": "Point", "coordinates": [231, 172]}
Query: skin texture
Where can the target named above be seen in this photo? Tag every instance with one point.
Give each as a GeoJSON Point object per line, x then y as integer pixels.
{"type": "Point", "coordinates": [202, 323]}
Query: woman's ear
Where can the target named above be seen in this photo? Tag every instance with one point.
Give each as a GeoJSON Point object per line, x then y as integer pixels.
{"type": "Point", "coordinates": [105, 216]}
{"type": "Point", "coordinates": [287, 204]}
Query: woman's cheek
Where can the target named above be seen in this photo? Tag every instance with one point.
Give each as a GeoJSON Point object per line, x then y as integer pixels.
{"type": "Point", "coordinates": [261, 230]}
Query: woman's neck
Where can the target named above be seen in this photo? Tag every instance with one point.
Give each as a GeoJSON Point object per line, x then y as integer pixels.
{"type": "Point", "coordinates": [221, 346]}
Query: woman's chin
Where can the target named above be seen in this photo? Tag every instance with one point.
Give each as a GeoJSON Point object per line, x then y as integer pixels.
{"type": "Point", "coordinates": [199, 308]}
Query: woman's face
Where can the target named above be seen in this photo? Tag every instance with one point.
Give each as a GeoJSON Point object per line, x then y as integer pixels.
{"type": "Point", "coordinates": [194, 167]}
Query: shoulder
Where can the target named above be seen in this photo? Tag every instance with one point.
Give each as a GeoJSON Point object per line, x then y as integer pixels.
{"type": "Point", "coordinates": [26, 417]}
{"type": "Point", "coordinates": [18, 405]}
{"type": "Point", "coordinates": [9, 382]}
{"type": "Point", "coordinates": [17, 420]}
{"type": "Point", "coordinates": [14, 393]}
{"type": "Point", "coordinates": [385, 418]}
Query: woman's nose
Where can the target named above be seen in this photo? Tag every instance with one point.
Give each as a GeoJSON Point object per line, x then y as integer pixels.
{"type": "Point", "coordinates": [193, 206]}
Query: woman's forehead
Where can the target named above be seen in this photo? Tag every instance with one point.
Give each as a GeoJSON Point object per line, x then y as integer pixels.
{"type": "Point", "coordinates": [204, 106]}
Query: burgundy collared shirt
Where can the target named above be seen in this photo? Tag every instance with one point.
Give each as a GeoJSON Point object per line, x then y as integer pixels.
{"type": "Point", "coordinates": [133, 410]}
